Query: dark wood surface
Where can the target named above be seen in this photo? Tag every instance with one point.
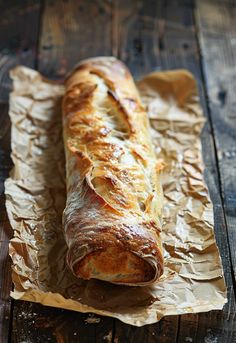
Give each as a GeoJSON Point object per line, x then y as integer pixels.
{"type": "Point", "coordinates": [51, 36]}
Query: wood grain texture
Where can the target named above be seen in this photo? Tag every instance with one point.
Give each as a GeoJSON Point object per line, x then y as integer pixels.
{"type": "Point", "coordinates": [171, 44]}
{"type": "Point", "coordinates": [18, 42]}
{"type": "Point", "coordinates": [183, 52]}
{"type": "Point", "coordinates": [216, 325]}
{"type": "Point", "coordinates": [66, 37]}
{"type": "Point", "coordinates": [5, 229]}
{"type": "Point", "coordinates": [18, 38]}
{"type": "Point", "coordinates": [165, 331]}
{"type": "Point", "coordinates": [217, 36]}
{"type": "Point", "coordinates": [5, 165]}
{"type": "Point", "coordinates": [5, 287]}
{"type": "Point", "coordinates": [71, 31]}
{"type": "Point", "coordinates": [34, 323]}
{"type": "Point", "coordinates": [136, 36]}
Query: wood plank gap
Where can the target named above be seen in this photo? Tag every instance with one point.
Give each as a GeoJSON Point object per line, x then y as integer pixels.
{"type": "Point", "coordinates": [178, 330]}
{"type": "Point", "coordinates": [40, 29]}
{"type": "Point", "coordinates": [11, 320]}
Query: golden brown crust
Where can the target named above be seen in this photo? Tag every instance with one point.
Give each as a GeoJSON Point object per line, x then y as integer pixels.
{"type": "Point", "coordinates": [114, 197]}
{"type": "Point", "coordinates": [129, 268]}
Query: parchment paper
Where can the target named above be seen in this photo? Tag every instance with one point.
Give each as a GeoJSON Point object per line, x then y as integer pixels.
{"type": "Point", "coordinates": [35, 198]}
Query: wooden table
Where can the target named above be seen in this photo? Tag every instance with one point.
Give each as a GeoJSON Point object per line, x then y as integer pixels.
{"type": "Point", "coordinates": [51, 36]}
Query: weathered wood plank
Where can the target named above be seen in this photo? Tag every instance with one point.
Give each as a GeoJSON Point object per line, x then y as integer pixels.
{"type": "Point", "coordinates": [104, 330]}
{"type": "Point", "coordinates": [35, 323]}
{"type": "Point", "coordinates": [5, 287]}
{"type": "Point", "coordinates": [136, 37]}
{"type": "Point", "coordinates": [5, 230]}
{"type": "Point", "coordinates": [71, 31]}
{"type": "Point", "coordinates": [164, 331]}
{"type": "Point", "coordinates": [18, 38]}
{"type": "Point", "coordinates": [137, 30]}
{"type": "Point", "coordinates": [217, 34]}
{"type": "Point", "coordinates": [216, 325]}
{"type": "Point", "coordinates": [5, 165]}
{"type": "Point", "coordinates": [172, 44]}
{"type": "Point", "coordinates": [179, 49]}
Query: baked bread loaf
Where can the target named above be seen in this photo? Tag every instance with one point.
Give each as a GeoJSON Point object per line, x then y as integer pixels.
{"type": "Point", "coordinates": [112, 219]}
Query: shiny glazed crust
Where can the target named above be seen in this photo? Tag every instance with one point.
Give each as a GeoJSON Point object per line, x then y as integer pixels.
{"type": "Point", "coordinates": [112, 218]}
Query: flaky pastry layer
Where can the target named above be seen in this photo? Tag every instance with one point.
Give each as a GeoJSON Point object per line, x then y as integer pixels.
{"type": "Point", "coordinates": [112, 218]}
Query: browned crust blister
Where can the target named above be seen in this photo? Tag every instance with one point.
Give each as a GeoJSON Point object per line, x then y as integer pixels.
{"type": "Point", "coordinates": [114, 195]}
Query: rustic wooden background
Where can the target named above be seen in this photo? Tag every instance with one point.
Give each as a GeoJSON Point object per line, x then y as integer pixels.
{"type": "Point", "coordinates": [51, 36]}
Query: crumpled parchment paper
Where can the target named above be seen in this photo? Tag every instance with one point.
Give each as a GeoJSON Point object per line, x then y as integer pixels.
{"type": "Point", "coordinates": [35, 198]}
